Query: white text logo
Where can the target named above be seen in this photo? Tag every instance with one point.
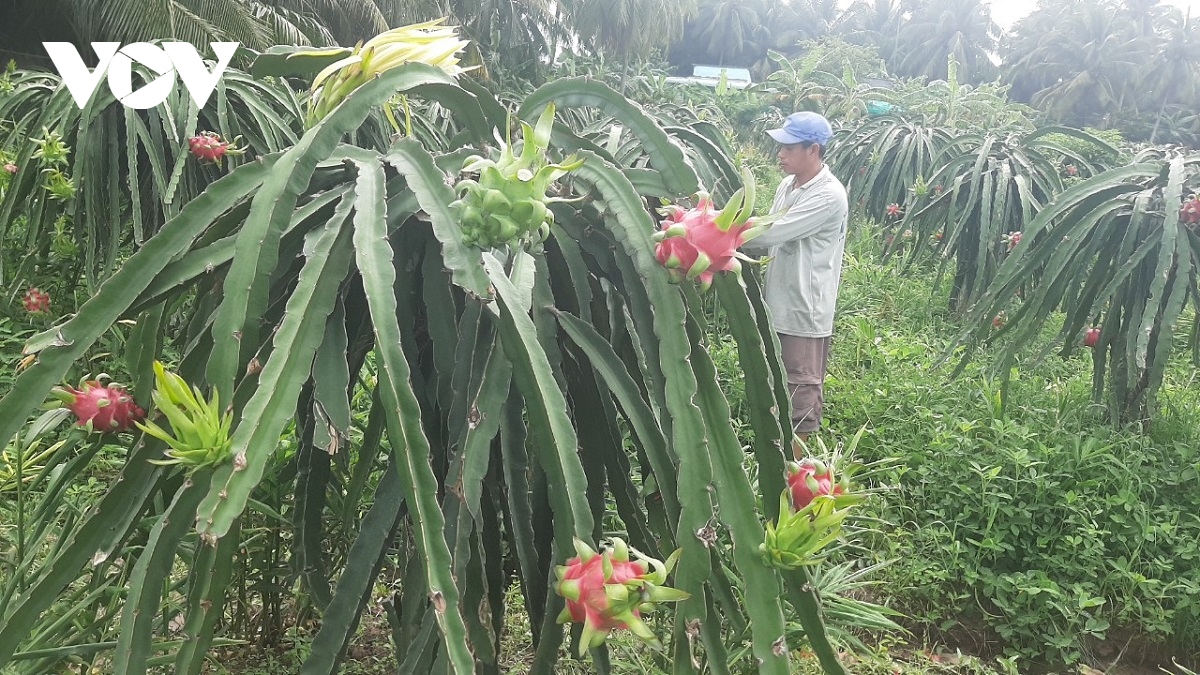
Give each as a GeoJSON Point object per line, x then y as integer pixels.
{"type": "Point", "coordinates": [165, 60]}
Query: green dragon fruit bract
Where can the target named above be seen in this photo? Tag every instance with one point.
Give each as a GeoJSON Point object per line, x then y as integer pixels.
{"type": "Point", "coordinates": [812, 509]}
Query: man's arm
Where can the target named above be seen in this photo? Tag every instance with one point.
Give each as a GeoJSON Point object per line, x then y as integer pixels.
{"type": "Point", "coordinates": [802, 220]}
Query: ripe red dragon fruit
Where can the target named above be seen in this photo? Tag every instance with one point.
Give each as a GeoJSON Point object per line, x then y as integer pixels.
{"type": "Point", "coordinates": [1190, 211]}
{"type": "Point", "coordinates": [1091, 337]}
{"type": "Point", "coordinates": [36, 301]}
{"type": "Point", "coordinates": [811, 510]}
{"type": "Point", "coordinates": [809, 478]}
{"type": "Point", "coordinates": [608, 591]}
{"type": "Point", "coordinates": [1011, 239]}
{"type": "Point", "coordinates": [208, 146]}
{"type": "Point", "coordinates": [1072, 170]}
{"type": "Point", "coordinates": [999, 320]}
{"type": "Point", "coordinates": [894, 210]}
{"type": "Point", "coordinates": [98, 407]}
{"type": "Point", "coordinates": [697, 243]}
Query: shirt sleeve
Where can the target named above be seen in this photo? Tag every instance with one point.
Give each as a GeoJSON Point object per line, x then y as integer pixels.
{"type": "Point", "coordinates": [802, 220]}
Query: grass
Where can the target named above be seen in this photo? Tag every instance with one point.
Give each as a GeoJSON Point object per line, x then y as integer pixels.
{"type": "Point", "coordinates": [1022, 526]}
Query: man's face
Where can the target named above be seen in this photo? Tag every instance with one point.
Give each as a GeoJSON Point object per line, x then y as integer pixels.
{"type": "Point", "coordinates": [796, 158]}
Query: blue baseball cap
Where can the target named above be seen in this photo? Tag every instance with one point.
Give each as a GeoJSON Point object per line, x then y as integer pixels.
{"type": "Point", "coordinates": [803, 127]}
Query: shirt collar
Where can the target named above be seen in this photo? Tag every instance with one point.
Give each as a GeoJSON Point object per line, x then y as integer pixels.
{"type": "Point", "coordinates": [814, 181]}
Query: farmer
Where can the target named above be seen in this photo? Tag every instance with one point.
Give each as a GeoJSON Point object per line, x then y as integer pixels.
{"type": "Point", "coordinates": [805, 247]}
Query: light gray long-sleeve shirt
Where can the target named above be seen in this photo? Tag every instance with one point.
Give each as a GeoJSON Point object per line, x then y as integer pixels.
{"type": "Point", "coordinates": [805, 246]}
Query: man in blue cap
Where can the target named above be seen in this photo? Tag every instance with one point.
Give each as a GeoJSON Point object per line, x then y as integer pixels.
{"type": "Point", "coordinates": [805, 246]}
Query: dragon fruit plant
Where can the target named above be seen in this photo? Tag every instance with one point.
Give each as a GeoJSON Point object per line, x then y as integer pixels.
{"type": "Point", "coordinates": [429, 42]}
{"type": "Point", "coordinates": [697, 243]}
{"type": "Point", "coordinates": [608, 591]}
{"type": "Point", "coordinates": [104, 408]}
{"type": "Point", "coordinates": [920, 188]}
{"type": "Point", "coordinates": [1011, 240]}
{"type": "Point", "coordinates": [329, 280]}
{"type": "Point", "coordinates": [508, 205]}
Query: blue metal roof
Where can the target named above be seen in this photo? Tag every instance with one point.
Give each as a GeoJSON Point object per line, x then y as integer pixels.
{"type": "Point", "coordinates": [742, 74]}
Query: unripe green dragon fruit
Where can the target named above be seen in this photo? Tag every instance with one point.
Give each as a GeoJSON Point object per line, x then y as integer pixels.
{"type": "Point", "coordinates": [201, 432]}
{"type": "Point", "coordinates": [608, 591]}
{"type": "Point", "coordinates": [508, 205]}
{"type": "Point", "coordinates": [697, 243]}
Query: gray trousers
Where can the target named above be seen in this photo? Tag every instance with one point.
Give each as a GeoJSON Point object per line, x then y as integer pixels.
{"type": "Point", "coordinates": [806, 360]}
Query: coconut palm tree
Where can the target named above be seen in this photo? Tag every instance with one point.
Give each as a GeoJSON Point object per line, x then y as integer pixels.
{"type": "Point", "coordinates": [517, 36]}
{"type": "Point", "coordinates": [1174, 76]}
{"type": "Point", "coordinates": [724, 32]}
{"type": "Point", "coordinates": [1144, 14]}
{"type": "Point", "coordinates": [963, 29]}
{"type": "Point", "coordinates": [257, 24]}
{"type": "Point", "coordinates": [1082, 67]}
{"type": "Point", "coordinates": [814, 18]}
{"type": "Point", "coordinates": [630, 28]}
{"type": "Point", "coordinates": [875, 23]}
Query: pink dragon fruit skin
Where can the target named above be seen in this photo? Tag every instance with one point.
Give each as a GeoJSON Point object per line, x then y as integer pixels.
{"type": "Point", "coordinates": [592, 606]}
{"type": "Point", "coordinates": [705, 236]}
{"type": "Point", "coordinates": [609, 591]}
{"type": "Point", "coordinates": [106, 408]}
{"type": "Point", "coordinates": [674, 252]}
{"type": "Point", "coordinates": [36, 301]}
{"type": "Point", "coordinates": [699, 242]}
{"type": "Point", "coordinates": [209, 146]}
{"type": "Point", "coordinates": [810, 478]}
